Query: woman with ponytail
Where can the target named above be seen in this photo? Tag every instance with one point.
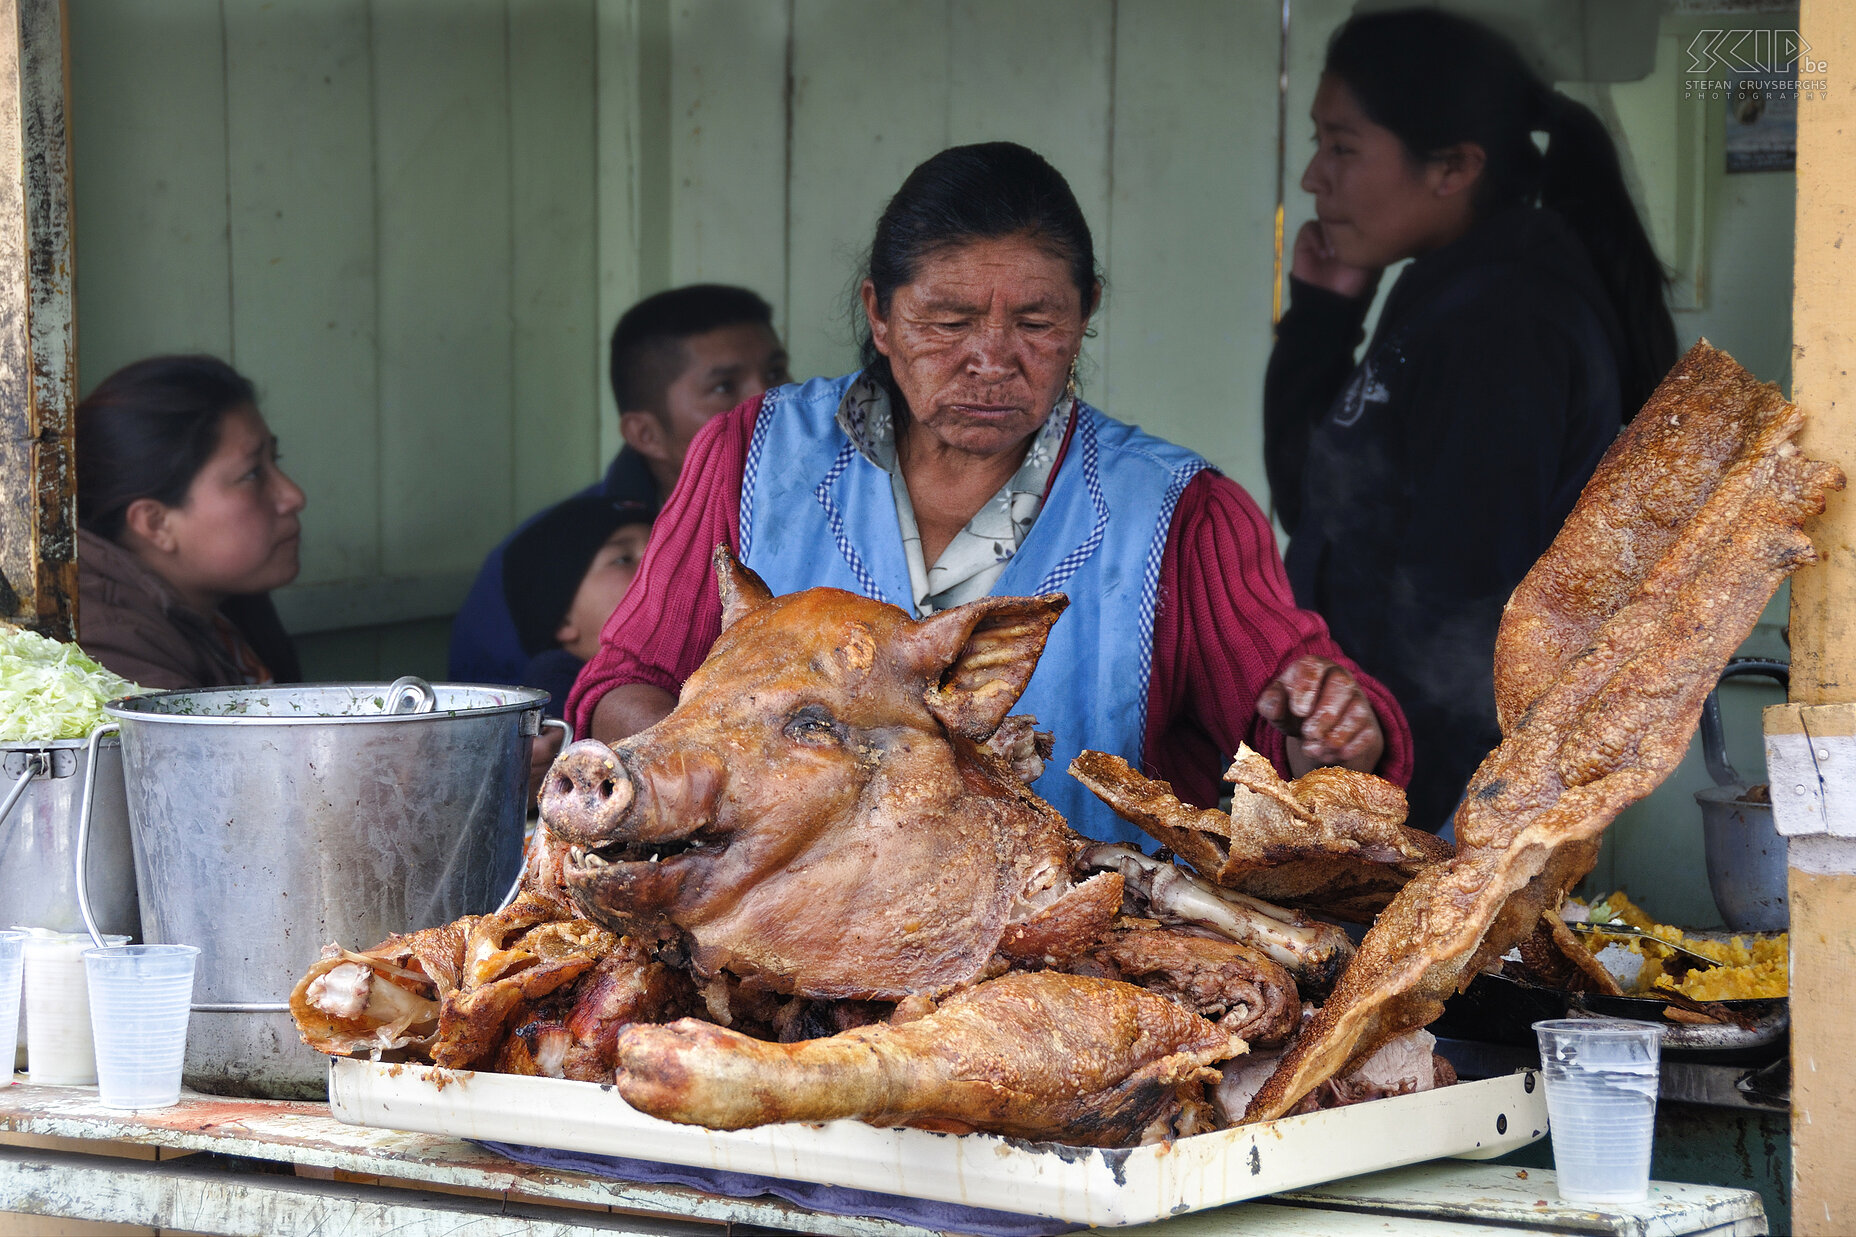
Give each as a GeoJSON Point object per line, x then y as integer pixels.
{"type": "Point", "coordinates": [1420, 484]}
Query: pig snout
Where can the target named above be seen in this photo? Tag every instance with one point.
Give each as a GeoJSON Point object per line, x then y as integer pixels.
{"type": "Point", "coordinates": [588, 795]}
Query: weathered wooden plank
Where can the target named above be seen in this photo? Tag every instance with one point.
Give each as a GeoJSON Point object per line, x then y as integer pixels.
{"type": "Point", "coordinates": [870, 101]}
{"type": "Point", "coordinates": [441, 115]}
{"type": "Point", "coordinates": [148, 131]}
{"type": "Point", "coordinates": [44, 89]}
{"type": "Point", "coordinates": [213, 1199]}
{"type": "Point", "coordinates": [38, 550]}
{"type": "Point", "coordinates": [18, 483]}
{"type": "Point", "coordinates": [728, 143]}
{"type": "Point", "coordinates": [1457, 1190]}
{"type": "Point", "coordinates": [558, 345]}
{"type": "Point", "coordinates": [301, 170]}
{"type": "Point", "coordinates": [295, 1132]}
{"type": "Point", "coordinates": [1823, 901]}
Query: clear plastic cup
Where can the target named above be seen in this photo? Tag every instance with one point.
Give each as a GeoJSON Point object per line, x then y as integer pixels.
{"type": "Point", "coordinates": [58, 1047]}
{"type": "Point", "coordinates": [140, 996]}
{"type": "Point", "coordinates": [1601, 1105]}
{"type": "Point", "coordinates": [12, 971]}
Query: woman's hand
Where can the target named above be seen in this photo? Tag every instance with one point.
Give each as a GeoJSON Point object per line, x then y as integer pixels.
{"type": "Point", "coordinates": [1315, 263]}
{"type": "Point", "coordinates": [1328, 719]}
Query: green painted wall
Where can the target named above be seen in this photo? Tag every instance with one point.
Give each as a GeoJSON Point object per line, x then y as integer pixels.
{"type": "Point", "coordinates": [413, 222]}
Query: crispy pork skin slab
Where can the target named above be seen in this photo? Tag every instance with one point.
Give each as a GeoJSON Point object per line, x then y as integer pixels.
{"type": "Point", "coordinates": [1694, 517]}
{"type": "Point", "coordinates": [1704, 426]}
{"type": "Point", "coordinates": [1332, 840]}
{"type": "Point", "coordinates": [1037, 1055]}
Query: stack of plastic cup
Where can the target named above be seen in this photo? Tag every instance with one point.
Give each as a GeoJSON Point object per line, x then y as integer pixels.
{"type": "Point", "coordinates": [12, 968]}
{"type": "Point", "coordinates": [58, 1046]}
{"type": "Point", "coordinates": [140, 996]}
{"type": "Point", "coordinates": [1601, 1105]}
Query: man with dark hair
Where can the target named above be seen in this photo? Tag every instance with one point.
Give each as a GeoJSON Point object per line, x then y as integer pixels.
{"type": "Point", "coordinates": [678, 358]}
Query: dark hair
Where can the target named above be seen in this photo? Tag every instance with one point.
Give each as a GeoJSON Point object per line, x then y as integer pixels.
{"type": "Point", "coordinates": [1436, 79]}
{"type": "Point", "coordinates": [647, 344]}
{"type": "Point", "coordinates": [969, 193]}
{"type": "Point", "coordinates": [147, 430]}
{"type": "Point", "coordinates": [545, 561]}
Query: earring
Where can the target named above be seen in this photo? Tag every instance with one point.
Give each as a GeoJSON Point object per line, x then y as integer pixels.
{"type": "Point", "coordinates": [1069, 386]}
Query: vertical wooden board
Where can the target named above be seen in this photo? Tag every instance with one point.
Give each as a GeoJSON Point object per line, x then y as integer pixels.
{"type": "Point", "coordinates": [1824, 355]}
{"type": "Point", "coordinates": [45, 72]}
{"type": "Point", "coordinates": [632, 134]}
{"type": "Point", "coordinates": [1190, 241]}
{"type": "Point", "coordinates": [559, 345]}
{"type": "Point", "coordinates": [18, 588]}
{"type": "Point", "coordinates": [443, 182]}
{"type": "Point", "coordinates": [728, 146]}
{"type": "Point", "coordinates": [1823, 911]}
{"type": "Point", "coordinates": [148, 135]}
{"type": "Point", "coordinates": [870, 101]}
{"type": "Point", "coordinates": [301, 169]}
{"type": "Point", "coordinates": [1058, 102]}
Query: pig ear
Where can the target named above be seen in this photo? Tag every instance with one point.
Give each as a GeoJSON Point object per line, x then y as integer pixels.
{"type": "Point", "coordinates": [741, 589]}
{"type": "Point", "coordinates": [978, 658]}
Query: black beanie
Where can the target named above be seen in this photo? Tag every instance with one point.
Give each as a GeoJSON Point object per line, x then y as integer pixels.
{"type": "Point", "coordinates": [544, 563]}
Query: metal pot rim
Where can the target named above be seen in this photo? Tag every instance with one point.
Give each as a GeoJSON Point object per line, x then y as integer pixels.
{"type": "Point", "coordinates": [143, 709]}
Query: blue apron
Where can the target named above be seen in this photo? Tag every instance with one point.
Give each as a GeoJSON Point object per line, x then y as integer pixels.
{"type": "Point", "coordinates": [815, 512]}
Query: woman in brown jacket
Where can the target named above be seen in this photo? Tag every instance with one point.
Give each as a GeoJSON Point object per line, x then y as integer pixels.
{"type": "Point", "coordinates": [185, 525]}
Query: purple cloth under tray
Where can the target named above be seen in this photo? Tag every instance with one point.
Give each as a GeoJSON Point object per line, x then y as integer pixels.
{"type": "Point", "coordinates": [831, 1199]}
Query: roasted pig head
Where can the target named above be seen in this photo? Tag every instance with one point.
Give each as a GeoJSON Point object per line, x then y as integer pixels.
{"type": "Point", "coordinates": [816, 815]}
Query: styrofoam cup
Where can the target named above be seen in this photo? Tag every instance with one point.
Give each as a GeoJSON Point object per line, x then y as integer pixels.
{"type": "Point", "coordinates": [1601, 1105]}
{"type": "Point", "coordinates": [140, 996]}
{"type": "Point", "coordinates": [12, 970]}
{"type": "Point", "coordinates": [58, 1045]}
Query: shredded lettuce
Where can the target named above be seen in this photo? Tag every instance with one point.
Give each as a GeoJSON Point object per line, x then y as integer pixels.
{"type": "Point", "coordinates": [50, 690]}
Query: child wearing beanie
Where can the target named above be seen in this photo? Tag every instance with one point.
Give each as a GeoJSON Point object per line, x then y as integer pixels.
{"type": "Point", "coordinates": [562, 578]}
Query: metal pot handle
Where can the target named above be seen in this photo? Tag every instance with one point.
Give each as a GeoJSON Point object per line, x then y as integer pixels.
{"type": "Point", "coordinates": [1713, 739]}
{"type": "Point", "coordinates": [37, 765]}
{"type": "Point", "coordinates": [567, 738]}
{"type": "Point", "coordinates": [83, 827]}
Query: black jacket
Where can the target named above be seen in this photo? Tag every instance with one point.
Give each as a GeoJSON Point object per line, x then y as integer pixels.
{"type": "Point", "coordinates": [1419, 486]}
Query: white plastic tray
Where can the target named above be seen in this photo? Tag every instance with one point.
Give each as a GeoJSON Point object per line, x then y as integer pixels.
{"type": "Point", "coordinates": [1081, 1185]}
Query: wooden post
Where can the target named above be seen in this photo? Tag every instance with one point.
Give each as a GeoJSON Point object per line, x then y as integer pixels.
{"type": "Point", "coordinates": [38, 354]}
{"type": "Point", "coordinates": [1811, 742]}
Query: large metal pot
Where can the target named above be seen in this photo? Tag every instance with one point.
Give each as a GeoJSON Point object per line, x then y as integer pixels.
{"type": "Point", "coordinates": [1746, 855]}
{"type": "Point", "coordinates": [269, 820]}
{"type": "Point", "coordinates": [44, 794]}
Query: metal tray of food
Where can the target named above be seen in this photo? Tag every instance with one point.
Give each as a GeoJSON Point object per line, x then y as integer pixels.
{"type": "Point", "coordinates": [1500, 1010]}
{"type": "Point", "coordinates": [1081, 1185]}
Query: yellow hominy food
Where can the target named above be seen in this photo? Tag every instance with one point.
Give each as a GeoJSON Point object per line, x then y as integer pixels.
{"type": "Point", "coordinates": [1752, 967]}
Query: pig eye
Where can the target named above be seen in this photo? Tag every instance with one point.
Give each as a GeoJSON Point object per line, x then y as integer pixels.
{"type": "Point", "coordinates": [812, 724]}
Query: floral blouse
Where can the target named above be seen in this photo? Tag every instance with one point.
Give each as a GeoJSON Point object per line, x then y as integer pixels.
{"type": "Point", "coordinates": [976, 557]}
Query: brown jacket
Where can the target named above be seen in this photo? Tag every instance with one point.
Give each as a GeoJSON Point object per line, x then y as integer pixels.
{"type": "Point", "coordinates": [131, 620]}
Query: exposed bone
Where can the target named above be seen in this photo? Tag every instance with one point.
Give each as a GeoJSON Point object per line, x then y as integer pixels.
{"type": "Point", "coordinates": [1311, 951]}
